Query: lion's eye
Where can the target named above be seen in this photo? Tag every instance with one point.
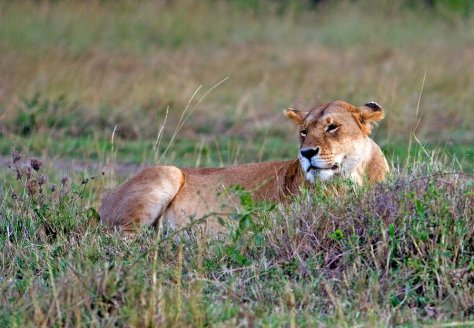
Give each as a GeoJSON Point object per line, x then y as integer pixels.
{"type": "Point", "coordinates": [304, 133]}
{"type": "Point", "coordinates": [331, 128]}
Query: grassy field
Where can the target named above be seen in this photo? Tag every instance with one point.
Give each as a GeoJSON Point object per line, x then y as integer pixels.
{"type": "Point", "coordinates": [96, 89]}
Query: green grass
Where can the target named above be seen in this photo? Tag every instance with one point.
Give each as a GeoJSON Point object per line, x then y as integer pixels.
{"type": "Point", "coordinates": [223, 151]}
{"type": "Point", "coordinates": [398, 253]}
{"type": "Point", "coordinates": [183, 152]}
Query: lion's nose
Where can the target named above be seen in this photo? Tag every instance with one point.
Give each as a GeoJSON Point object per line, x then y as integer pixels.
{"type": "Point", "coordinates": [309, 153]}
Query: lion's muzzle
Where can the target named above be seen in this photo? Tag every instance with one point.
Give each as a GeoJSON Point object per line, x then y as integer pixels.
{"type": "Point", "coordinates": [315, 164]}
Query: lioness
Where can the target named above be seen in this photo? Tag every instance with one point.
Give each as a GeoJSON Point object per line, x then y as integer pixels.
{"type": "Point", "coordinates": [334, 140]}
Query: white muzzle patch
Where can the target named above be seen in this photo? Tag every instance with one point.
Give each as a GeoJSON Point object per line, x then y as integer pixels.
{"type": "Point", "coordinates": [319, 168]}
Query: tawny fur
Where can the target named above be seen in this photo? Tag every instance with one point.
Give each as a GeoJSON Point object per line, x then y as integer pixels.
{"type": "Point", "coordinates": [180, 195]}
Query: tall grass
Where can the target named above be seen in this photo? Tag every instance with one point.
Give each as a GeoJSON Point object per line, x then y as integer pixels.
{"type": "Point", "coordinates": [399, 252]}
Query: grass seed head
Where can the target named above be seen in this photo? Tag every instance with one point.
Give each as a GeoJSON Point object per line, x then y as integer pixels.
{"type": "Point", "coordinates": [16, 156]}
{"type": "Point", "coordinates": [36, 164]}
{"type": "Point", "coordinates": [65, 180]}
{"type": "Point", "coordinates": [42, 179]}
{"type": "Point", "coordinates": [32, 187]}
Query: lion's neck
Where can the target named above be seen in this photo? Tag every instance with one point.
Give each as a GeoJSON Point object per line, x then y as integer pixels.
{"type": "Point", "coordinates": [293, 179]}
{"type": "Point", "coordinates": [372, 164]}
{"type": "Point", "coordinates": [377, 167]}
{"type": "Point", "coordinates": [359, 160]}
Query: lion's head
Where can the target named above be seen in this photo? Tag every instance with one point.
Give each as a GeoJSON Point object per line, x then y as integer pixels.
{"type": "Point", "coordinates": [334, 139]}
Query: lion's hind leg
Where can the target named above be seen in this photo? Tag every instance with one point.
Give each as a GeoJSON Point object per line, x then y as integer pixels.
{"type": "Point", "coordinates": [142, 199]}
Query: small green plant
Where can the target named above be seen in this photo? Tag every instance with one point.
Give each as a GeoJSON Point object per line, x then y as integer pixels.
{"type": "Point", "coordinates": [337, 235]}
{"type": "Point", "coordinates": [248, 232]}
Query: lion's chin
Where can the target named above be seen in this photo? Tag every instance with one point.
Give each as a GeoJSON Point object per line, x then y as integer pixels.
{"type": "Point", "coordinates": [321, 174]}
{"type": "Point", "coordinates": [324, 172]}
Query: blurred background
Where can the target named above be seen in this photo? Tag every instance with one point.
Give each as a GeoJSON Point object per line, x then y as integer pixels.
{"type": "Point", "coordinates": [72, 71]}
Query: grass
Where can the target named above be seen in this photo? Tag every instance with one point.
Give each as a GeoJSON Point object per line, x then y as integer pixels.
{"type": "Point", "coordinates": [399, 253]}
{"type": "Point", "coordinates": [226, 150]}
{"type": "Point", "coordinates": [396, 253]}
{"type": "Point", "coordinates": [125, 64]}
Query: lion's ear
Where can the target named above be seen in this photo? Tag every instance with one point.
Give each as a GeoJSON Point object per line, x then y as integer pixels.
{"type": "Point", "coordinates": [295, 115]}
{"type": "Point", "coordinates": [373, 106]}
{"type": "Point", "coordinates": [368, 115]}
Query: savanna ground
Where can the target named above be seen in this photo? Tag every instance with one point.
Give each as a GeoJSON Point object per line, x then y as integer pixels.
{"type": "Point", "coordinates": [90, 91]}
